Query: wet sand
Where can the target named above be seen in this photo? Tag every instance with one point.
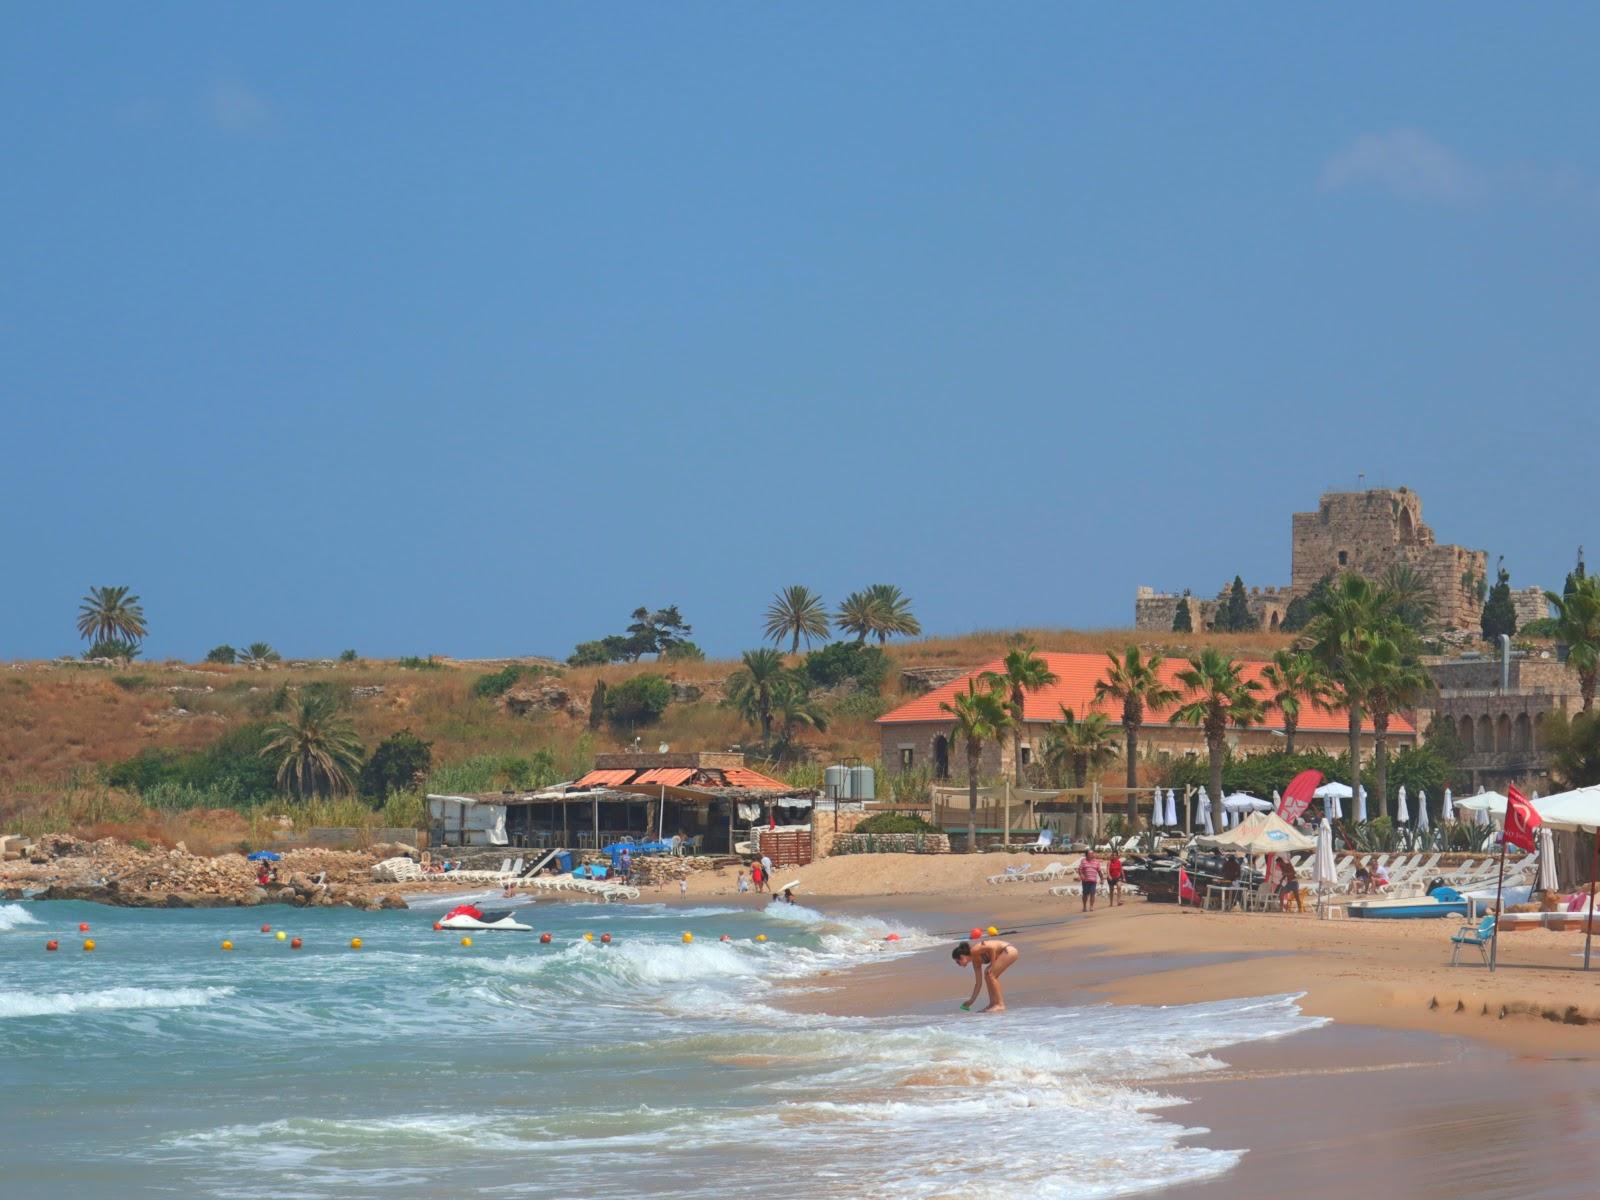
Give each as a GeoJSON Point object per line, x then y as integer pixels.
{"type": "Point", "coordinates": [1399, 1094]}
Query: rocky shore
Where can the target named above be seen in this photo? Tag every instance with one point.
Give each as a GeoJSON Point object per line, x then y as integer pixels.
{"type": "Point", "coordinates": [110, 871]}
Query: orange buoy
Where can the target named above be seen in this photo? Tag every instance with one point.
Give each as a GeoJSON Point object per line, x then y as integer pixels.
{"type": "Point", "coordinates": [544, 939]}
{"type": "Point", "coordinates": [355, 943]}
{"type": "Point", "coordinates": [266, 929]}
{"type": "Point", "coordinates": [761, 937]}
{"type": "Point", "coordinates": [437, 927]}
{"type": "Point", "coordinates": [893, 937]}
{"type": "Point", "coordinates": [975, 935]}
{"type": "Point", "coordinates": [295, 944]}
{"type": "Point", "coordinates": [687, 937]}
{"type": "Point", "coordinates": [83, 927]}
{"type": "Point", "coordinates": [724, 938]}
{"type": "Point", "coordinates": [605, 939]}
{"type": "Point", "coordinates": [227, 945]}
{"type": "Point", "coordinates": [88, 944]}
{"type": "Point", "coordinates": [466, 941]}
{"type": "Point", "coordinates": [52, 944]}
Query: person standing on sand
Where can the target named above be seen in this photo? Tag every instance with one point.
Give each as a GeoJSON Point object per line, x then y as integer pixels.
{"type": "Point", "coordinates": [1089, 878]}
{"type": "Point", "coordinates": [988, 959]}
{"type": "Point", "coordinates": [1114, 878]}
{"type": "Point", "coordinates": [744, 884]}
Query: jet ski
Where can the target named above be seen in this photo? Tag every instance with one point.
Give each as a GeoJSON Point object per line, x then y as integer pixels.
{"type": "Point", "coordinates": [470, 916]}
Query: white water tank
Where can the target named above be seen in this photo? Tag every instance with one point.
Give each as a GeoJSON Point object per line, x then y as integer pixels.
{"type": "Point", "coordinates": [862, 783]}
{"type": "Point", "coordinates": [836, 782]}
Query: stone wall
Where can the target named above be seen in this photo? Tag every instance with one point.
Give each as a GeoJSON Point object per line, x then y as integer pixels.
{"type": "Point", "coordinates": [892, 843]}
{"type": "Point", "coordinates": [1530, 605]}
{"type": "Point", "coordinates": [1156, 611]}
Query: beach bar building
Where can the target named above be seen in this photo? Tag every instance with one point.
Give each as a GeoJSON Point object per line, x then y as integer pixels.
{"type": "Point", "coordinates": [710, 799]}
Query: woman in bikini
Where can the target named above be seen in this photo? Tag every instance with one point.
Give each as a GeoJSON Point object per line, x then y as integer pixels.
{"type": "Point", "coordinates": [989, 960]}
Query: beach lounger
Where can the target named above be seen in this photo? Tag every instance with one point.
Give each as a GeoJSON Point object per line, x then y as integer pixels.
{"type": "Point", "coordinates": [1044, 841]}
{"type": "Point", "coordinates": [1479, 935]}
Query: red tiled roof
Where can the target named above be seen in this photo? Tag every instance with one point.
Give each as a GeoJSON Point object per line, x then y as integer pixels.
{"type": "Point", "coordinates": [1076, 675]}
{"type": "Point", "coordinates": [604, 779]}
{"type": "Point", "coordinates": [670, 776]}
{"type": "Point", "coordinates": [742, 777]}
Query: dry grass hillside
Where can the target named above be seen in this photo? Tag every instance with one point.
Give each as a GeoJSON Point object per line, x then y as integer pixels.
{"type": "Point", "coordinates": [62, 724]}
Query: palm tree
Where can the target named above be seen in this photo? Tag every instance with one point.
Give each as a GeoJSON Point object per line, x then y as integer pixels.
{"type": "Point", "coordinates": [1293, 678]}
{"type": "Point", "coordinates": [317, 749]}
{"type": "Point", "coordinates": [858, 615]}
{"type": "Point", "coordinates": [981, 715]}
{"type": "Point", "coordinates": [750, 688]}
{"type": "Point", "coordinates": [794, 709]}
{"type": "Point", "coordinates": [1578, 628]}
{"type": "Point", "coordinates": [1222, 697]}
{"type": "Point", "coordinates": [258, 655]}
{"type": "Point", "coordinates": [1134, 682]}
{"type": "Point", "coordinates": [1082, 746]}
{"type": "Point", "coordinates": [110, 614]}
{"type": "Point", "coordinates": [1391, 679]}
{"type": "Point", "coordinates": [797, 612]}
{"type": "Point", "coordinates": [893, 610]}
{"type": "Point", "coordinates": [1024, 672]}
{"type": "Point", "coordinates": [1415, 605]}
{"type": "Point", "coordinates": [1344, 620]}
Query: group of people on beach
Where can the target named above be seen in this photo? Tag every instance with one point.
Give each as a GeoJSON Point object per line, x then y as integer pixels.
{"type": "Point", "coordinates": [1091, 871]}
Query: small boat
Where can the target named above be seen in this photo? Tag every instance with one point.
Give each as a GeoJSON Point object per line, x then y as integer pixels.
{"type": "Point", "coordinates": [1442, 902]}
{"type": "Point", "coordinates": [470, 917]}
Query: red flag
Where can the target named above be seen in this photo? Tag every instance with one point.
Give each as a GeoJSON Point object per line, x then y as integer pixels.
{"type": "Point", "coordinates": [1185, 888]}
{"type": "Point", "coordinates": [1297, 796]}
{"type": "Point", "coordinates": [1521, 819]}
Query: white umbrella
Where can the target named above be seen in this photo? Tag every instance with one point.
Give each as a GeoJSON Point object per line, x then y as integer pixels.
{"type": "Point", "coordinates": [1244, 802]}
{"type": "Point", "coordinates": [1277, 801]}
{"type": "Point", "coordinates": [1402, 813]}
{"type": "Point", "coordinates": [1205, 814]}
{"type": "Point", "coordinates": [1334, 788]}
{"type": "Point", "coordinates": [1324, 872]}
{"type": "Point", "coordinates": [1361, 805]}
{"type": "Point", "coordinates": [1155, 811]}
{"type": "Point", "coordinates": [1547, 861]}
{"type": "Point", "coordinates": [1422, 810]}
{"type": "Point", "coordinates": [1172, 809]}
{"type": "Point", "coordinates": [1333, 806]}
{"type": "Point", "coordinates": [1448, 813]}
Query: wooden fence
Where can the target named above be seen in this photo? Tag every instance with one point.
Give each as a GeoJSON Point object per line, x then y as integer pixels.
{"type": "Point", "coordinates": [787, 848]}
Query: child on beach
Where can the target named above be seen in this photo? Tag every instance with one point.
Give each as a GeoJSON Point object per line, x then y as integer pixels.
{"type": "Point", "coordinates": [683, 887]}
{"type": "Point", "coordinates": [744, 884]}
{"type": "Point", "coordinates": [1089, 877]}
{"type": "Point", "coordinates": [988, 959]}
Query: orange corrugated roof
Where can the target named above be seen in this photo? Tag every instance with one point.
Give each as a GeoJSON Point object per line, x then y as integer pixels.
{"type": "Point", "coordinates": [670, 776]}
{"type": "Point", "coordinates": [604, 779]}
{"type": "Point", "coordinates": [1076, 675]}
{"type": "Point", "coordinates": [743, 777]}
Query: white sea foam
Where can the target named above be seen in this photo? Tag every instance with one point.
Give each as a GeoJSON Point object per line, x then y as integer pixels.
{"type": "Point", "coordinates": [13, 915]}
{"type": "Point", "coordinates": [55, 1004]}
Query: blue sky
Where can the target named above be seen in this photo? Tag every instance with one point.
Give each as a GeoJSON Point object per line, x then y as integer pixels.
{"type": "Point", "coordinates": [466, 330]}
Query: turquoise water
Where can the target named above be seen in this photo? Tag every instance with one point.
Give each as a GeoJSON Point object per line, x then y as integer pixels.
{"type": "Point", "coordinates": [161, 1066]}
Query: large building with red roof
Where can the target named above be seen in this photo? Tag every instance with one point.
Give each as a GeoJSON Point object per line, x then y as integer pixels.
{"type": "Point", "coordinates": [917, 734]}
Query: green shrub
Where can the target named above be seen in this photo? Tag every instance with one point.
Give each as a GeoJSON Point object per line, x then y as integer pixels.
{"type": "Point", "coordinates": [412, 663]}
{"type": "Point", "coordinates": [222, 654]}
{"type": "Point", "coordinates": [1540, 627]}
{"type": "Point", "coordinates": [862, 706]}
{"type": "Point", "coordinates": [112, 648]}
{"type": "Point", "coordinates": [396, 764]}
{"type": "Point", "coordinates": [892, 822]}
{"type": "Point", "coordinates": [867, 666]}
{"type": "Point", "coordinates": [226, 774]}
{"type": "Point", "coordinates": [497, 683]}
{"type": "Point", "coordinates": [131, 683]}
{"type": "Point", "coordinates": [347, 656]}
{"type": "Point", "coordinates": [638, 701]}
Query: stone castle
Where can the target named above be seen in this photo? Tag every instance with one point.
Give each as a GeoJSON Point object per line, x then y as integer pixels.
{"type": "Point", "coordinates": [1367, 532]}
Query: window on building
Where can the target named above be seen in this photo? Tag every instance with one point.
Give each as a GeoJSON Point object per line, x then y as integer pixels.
{"type": "Point", "coordinates": [1344, 558]}
{"type": "Point", "coordinates": [1027, 755]}
{"type": "Point", "coordinates": [906, 755]}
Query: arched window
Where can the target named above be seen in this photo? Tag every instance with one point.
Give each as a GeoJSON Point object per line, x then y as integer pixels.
{"type": "Point", "coordinates": [1484, 742]}
{"type": "Point", "coordinates": [1502, 733]}
{"type": "Point", "coordinates": [1524, 738]}
{"type": "Point", "coordinates": [1464, 732]}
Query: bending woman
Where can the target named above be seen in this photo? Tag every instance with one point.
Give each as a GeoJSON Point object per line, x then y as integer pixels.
{"type": "Point", "coordinates": [989, 960]}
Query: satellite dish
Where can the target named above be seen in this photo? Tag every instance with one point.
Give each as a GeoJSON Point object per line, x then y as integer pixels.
{"type": "Point", "coordinates": [663, 748]}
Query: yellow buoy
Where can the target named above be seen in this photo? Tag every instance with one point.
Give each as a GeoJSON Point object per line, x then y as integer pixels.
{"type": "Point", "coordinates": [226, 945]}
{"type": "Point", "coordinates": [994, 930]}
{"type": "Point", "coordinates": [88, 943]}
{"type": "Point", "coordinates": [282, 936]}
{"type": "Point", "coordinates": [588, 937]}
{"type": "Point", "coordinates": [355, 943]}
{"type": "Point", "coordinates": [688, 937]}
{"type": "Point", "coordinates": [466, 941]}
{"type": "Point", "coordinates": [761, 937]}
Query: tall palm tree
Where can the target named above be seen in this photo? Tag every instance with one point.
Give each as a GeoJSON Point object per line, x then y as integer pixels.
{"type": "Point", "coordinates": [111, 614]}
{"type": "Point", "coordinates": [1392, 679]}
{"type": "Point", "coordinates": [1024, 672]}
{"type": "Point", "coordinates": [1411, 596]}
{"type": "Point", "coordinates": [1344, 620]}
{"type": "Point", "coordinates": [1134, 682]}
{"type": "Point", "coordinates": [1578, 628]}
{"type": "Point", "coordinates": [797, 612]}
{"type": "Point", "coordinates": [1293, 680]}
{"type": "Point", "coordinates": [316, 748]}
{"type": "Point", "coordinates": [258, 654]}
{"type": "Point", "coordinates": [1082, 746]}
{"type": "Point", "coordinates": [1221, 697]}
{"type": "Point", "coordinates": [751, 687]}
{"type": "Point", "coordinates": [893, 610]}
{"type": "Point", "coordinates": [981, 715]}
{"type": "Point", "coordinates": [793, 709]}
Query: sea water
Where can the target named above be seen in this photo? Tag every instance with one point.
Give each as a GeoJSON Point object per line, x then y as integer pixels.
{"type": "Point", "coordinates": [160, 1065]}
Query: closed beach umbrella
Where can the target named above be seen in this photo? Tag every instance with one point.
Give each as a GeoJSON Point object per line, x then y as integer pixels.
{"type": "Point", "coordinates": [1323, 871]}
{"type": "Point", "coordinates": [1402, 813]}
{"type": "Point", "coordinates": [1361, 805]}
{"type": "Point", "coordinates": [1172, 810]}
{"type": "Point", "coordinates": [1547, 861]}
{"type": "Point", "coordinates": [1448, 812]}
{"type": "Point", "coordinates": [1422, 809]}
{"type": "Point", "coordinates": [1156, 819]}
{"type": "Point", "coordinates": [1205, 815]}
{"type": "Point", "coordinates": [1277, 801]}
